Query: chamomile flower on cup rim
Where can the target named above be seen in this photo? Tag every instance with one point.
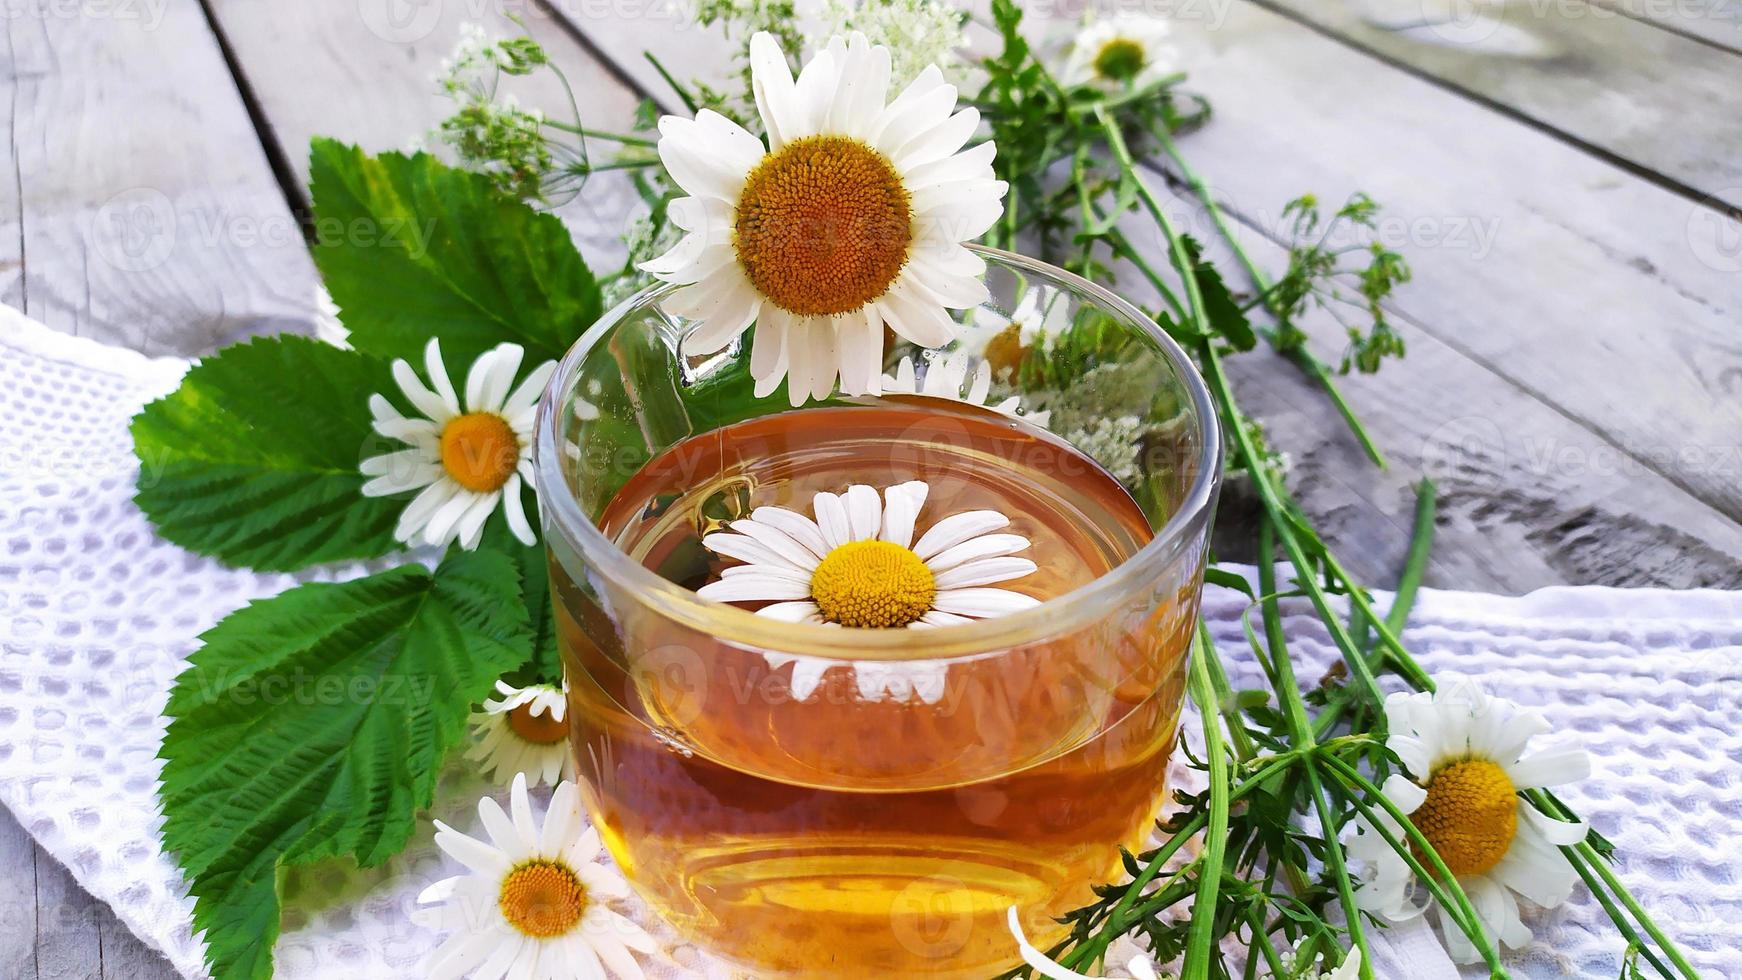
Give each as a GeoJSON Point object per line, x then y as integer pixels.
{"type": "Point", "coordinates": [1467, 761]}
{"type": "Point", "coordinates": [466, 458]}
{"type": "Point", "coordinates": [535, 901]}
{"type": "Point", "coordinates": [850, 217]}
{"type": "Point", "coordinates": [524, 732]}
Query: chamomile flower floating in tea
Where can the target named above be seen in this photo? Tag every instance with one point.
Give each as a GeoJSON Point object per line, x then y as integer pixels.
{"type": "Point", "coordinates": [1126, 51]}
{"type": "Point", "coordinates": [523, 732]}
{"type": "Point", "coordinates": [466, 460]}
{"type": "Point", "coordinates": [857, 564]}
{"type": "Point", "coordinates": [947, 376]}
{"type": "Point", "coordinates": [850, 218]}
{"type": "Point", "coordinates": [534, 904]}
{"type": "Point", "coordinates": [1466, 751]}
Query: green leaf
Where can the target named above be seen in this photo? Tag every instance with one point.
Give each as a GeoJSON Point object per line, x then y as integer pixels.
{"type": "Point", "coordinates": [411, 248]}
{"type": "Point", "coordinates": [312, 725]}
{"type": "Point", "coordinates": [1226, 317]}
{"type": "Point", "coordinates": [253, 460]}
{"type": "Point", "coordinates": [544, 666]}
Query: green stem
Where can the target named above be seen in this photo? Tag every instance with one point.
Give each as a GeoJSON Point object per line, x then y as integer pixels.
{"type": "Point", "coordinates": [602, 134]}
{"type": "Point", "coordinates": [1298, 354]}
{"type": "Point", "coordinates": [1300, 729]}
{"type": "Point", "coordinates": [1201, 939]}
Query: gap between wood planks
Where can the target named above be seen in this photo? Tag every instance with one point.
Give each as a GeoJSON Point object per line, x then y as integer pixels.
{"type": "Point", "coordinates": [1700, 197]}
{"type": "Point", "coordinates": [295, 194]}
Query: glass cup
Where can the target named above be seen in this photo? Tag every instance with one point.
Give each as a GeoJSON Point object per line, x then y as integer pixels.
{"type": "Point", "coordinates": [808, 801]}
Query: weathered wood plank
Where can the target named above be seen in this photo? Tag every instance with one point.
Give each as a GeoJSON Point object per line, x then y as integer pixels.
{"type": "Point", "coordinates": [1612, 300]}
{"type": "Point", "coordinates": [358, 73]}
{"type": "Point", "coordinates": [17, 899]}
{"type": "Point", "coordinates": [124, 956]}
{"type": "Point", "coordinates": [1717, 22]}
{"type": "Point", "coordinates": [145, 211]}
{"type": "Point", "coordinates": [67, 945]}
{"type": "Point", "coordinates": [1653, 98]}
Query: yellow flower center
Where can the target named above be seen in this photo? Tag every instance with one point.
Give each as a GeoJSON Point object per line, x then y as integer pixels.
{"type": "Point", "coordinates": [1119, 59]}
{"type": "Point", "coordinates": [542, 898]}
{"type": "Point", "coordinates": [875, 584]}
{"type": "Point", "coordinates": [823, 225]}
{"type": "Point", "coordinates": [1470, 815]}
{"type": "Point", "coordinates": [479, 450]}
{"type": "Point", "coordinates": [538, 729]}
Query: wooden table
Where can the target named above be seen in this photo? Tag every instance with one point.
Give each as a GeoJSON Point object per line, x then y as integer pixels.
{"type": "Point", "coordinates": [1565, 178]}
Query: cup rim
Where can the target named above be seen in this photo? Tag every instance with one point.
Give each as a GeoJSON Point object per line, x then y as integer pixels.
{"type": "Point", "coordinates": [734, 625]}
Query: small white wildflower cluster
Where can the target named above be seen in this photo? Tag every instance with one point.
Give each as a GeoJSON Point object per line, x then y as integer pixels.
{"type": "Point", "coordinates": [917, 33]}
{"type": "Point", "coordinates": [491, 135]}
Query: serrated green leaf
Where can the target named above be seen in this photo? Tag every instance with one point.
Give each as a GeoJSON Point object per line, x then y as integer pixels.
{"type": "Point", "coordinates": [544, 666]}
{"type": "Point", "coordinates": [1226, 317]}
{"type": "Point", "coordinates": [411, 248]}
{"type": "Point", "coordinates": [253, 459]}
{"type": "Point", "coordinates": [312, 725]}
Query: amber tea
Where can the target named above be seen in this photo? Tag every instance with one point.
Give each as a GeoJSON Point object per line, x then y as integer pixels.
{"type": "Point", "coordinates": [879, 817]}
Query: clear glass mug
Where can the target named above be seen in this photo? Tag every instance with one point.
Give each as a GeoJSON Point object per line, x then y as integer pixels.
{"type": "Point", "coordinates": [853, 802]}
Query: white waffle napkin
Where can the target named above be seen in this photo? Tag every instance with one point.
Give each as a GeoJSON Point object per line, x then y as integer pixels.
{"type": "Point", "coordinates": [97, 614]}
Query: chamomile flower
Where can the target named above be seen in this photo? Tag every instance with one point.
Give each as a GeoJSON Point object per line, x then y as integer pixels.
{"type": "Point", "coordinates": [857, 564]}
{"type": "Point", "coordinates": [850, 218]}
{"type": "Point", "coordinates": [1465, 754]}
{"type": "Point", "coordinates": [536, 900]}
{"type": "Point", "coordinates": [466, 461]}
{"type": "Point", "coordinates": [523, 733]}
{"type": "Point", "coordinates": [947, 376]}
{"type": "Point", "coordinates": [1139, 968]}
{"type": "Point", "coordinates": [1119, 53]}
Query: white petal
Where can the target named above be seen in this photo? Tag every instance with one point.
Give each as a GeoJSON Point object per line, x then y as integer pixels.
{"type": "Point", "coordinates": [515, 512]}
{"type": "Point", "coordinates": [748, 549]}
{"type": "Point", "coordinates": [1554, 767]}
{"type": "Point", "coordinates": [904, 502]}
{"type": "Point", "coordinates": [768, 355]}
{"type": "Point", "coordinates": [983, 603]}
{"type": "Point", "coordinates": [937, 142]}
{"type": "Point", "coordinates": [985, 571]}
{"type": "Point", "coordinates": [416, 515]}
{"type": "Point", "coordinates": [832, 519]}
{"type": "Point", "coordinates": [771, 81]}
{"type": "Point", "coordinates": [1406, 795]}
{"type": "Point", "coordinates": [525, 397]}
{"type": "Point", "coordinates": [957, 528]}
{"type": "Point", "coordinates": [754, 588]}
{"type": "Point", "coordinates": [779, 542]}
{"type": "Point", "coordinates": [438, 376]}
{"type": "Point", "coordinates": [864, 512]}
{"type": "Point", "coordinates": [421, 398]}
{"type": "Point", "coordinates": [800, 611]}
{"type": "Point", "coordinates": [983, 546]}
{"type": "Point", "coordinates": [796, 526]}
{"type": "Point", "coordinates": [479, 857]}
{"type": "Point", "coordinates": [914, 313]}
